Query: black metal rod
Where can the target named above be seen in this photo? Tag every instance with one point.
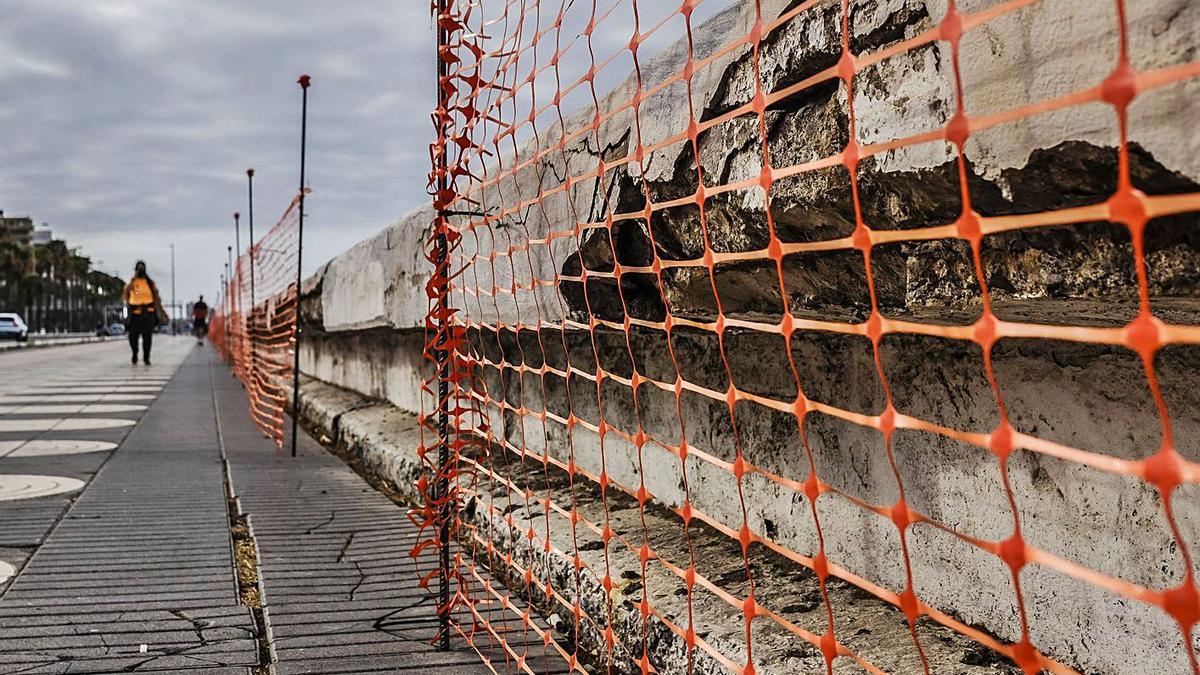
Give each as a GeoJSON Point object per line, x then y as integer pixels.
{"type": "Point", "coordinates": [443, 361]}
{"type": "Point", "coordinates": [236, 287]}
{"type": "Point", "coordinates": [303, 82]}
{"type": "Point", "coordinates": [250, 250]}
{"type": "Point", "coordinates": [229, 304]}
{"type": "Point", "coordinates": [250, 245]}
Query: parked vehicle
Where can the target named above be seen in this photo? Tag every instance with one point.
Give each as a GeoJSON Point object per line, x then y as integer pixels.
{"type": "Point", "coordinates": [116, 329]}
{"type": "Point", "coordinates": [12, 327]}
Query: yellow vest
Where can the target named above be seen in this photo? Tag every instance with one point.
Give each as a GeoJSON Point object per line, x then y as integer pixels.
{"type": "Point", "coordinates": [140, 293]}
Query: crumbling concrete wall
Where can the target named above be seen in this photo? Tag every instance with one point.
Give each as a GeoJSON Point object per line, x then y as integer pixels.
{"type": "Point", "coordinates": [364, 312]}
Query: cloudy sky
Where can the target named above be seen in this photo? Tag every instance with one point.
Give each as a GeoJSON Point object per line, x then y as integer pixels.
{"type": "Point", "coordinates": [127, 125]}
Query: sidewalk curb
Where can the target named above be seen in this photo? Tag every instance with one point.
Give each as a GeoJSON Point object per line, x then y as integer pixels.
{"type": "Point", "coordinates": [45, 344]}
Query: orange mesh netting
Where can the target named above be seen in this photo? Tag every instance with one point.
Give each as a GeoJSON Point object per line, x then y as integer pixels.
{"type": "Point", "coordinates": [561, 345]}
{"type": "Point", "coordinates": [255, 326]}
{"type": "Point", "coordinates": [216, 322]}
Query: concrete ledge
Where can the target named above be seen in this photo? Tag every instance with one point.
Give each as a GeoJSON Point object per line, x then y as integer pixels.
{"type": "Point", "coordinates": [376, 434]}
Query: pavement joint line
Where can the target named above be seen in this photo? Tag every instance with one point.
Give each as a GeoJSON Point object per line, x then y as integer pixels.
{"type": "Point", "coordinates": [305, 510]}
{"type": "Point", "coordinates": [242, 540]}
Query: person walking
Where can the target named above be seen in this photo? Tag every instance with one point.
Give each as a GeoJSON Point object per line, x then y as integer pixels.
{"type": "Point", "coordinates": [200, 320]}
{"type": "Point", "coordinates": [145, 311]}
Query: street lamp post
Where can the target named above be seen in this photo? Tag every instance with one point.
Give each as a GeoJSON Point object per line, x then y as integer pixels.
{"type": "Point", "coordinates": [250, 245]}
{"type": "Point", "coordinates": [237, 244]}
{"type": "Point", "coordinates": [228, 301]}
{"type": "Point", "coordinates": [236, 260]}
{"type": "Point", "coordinates": [250, 326]}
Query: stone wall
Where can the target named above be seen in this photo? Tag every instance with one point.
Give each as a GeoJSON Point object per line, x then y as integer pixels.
{"type": "Point", "coordinates": [364, 311]}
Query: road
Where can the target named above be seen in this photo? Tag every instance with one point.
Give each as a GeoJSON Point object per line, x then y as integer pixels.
{"type": "Point", "coordinates": [128, 493]}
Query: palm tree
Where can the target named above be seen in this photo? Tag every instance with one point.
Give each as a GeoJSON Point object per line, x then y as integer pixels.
{"type": "Point", "coordinates": [33, 287]}
{"type": "Point", "coordinates": [76, 276]}
{"type": "Point", "coordinates": [58, 259]}
{"type": "Point", "coordinates": [15, 263]}
{"type": "Point", "coordinates": [54, 287]}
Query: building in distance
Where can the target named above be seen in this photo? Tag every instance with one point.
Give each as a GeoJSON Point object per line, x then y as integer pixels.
{"type": "Point", "coordinates": [17, 229]}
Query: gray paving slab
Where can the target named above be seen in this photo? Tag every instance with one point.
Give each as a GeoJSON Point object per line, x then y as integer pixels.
{"type": "Point", "coordinates": [335, 561]}
{"type": "Point", "coordinates": [133, 573]}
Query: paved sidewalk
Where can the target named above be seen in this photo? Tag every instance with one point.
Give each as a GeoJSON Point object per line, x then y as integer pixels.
{"type": "Point", "coordinates": [133, 568]}
{"type": "Point", "coordinates": [62, 412]}
{"type": "Point", "coordinates": [339, 583]}
{"type": "Point", "coordinates": [137, 576]}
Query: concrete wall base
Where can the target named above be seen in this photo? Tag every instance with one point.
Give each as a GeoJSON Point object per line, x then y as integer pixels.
{"type": "Point", "coordinates": [384, 438]}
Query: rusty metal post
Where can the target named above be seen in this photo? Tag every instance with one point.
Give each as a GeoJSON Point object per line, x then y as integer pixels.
{"type": "Point", "coordinates": [441, 353]}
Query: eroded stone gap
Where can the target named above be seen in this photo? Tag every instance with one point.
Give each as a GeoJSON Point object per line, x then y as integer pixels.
{"type": "Point", "coordinates": [245, 563]}
{"type": "Point", "coordinates": [246, 566]}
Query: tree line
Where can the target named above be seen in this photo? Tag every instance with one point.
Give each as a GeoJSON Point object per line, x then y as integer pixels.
{"type": "Point", "coordinates": [55, 289]}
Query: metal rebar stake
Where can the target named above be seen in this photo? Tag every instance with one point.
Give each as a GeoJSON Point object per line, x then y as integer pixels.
{"type": "Point", "coordinates": [229, 304]}
{"type": "Point", "coordinates": [303, 82]}
{"type": "Point", "coordinates": [250, 250]}
{"type": "Point", "coordinates": [442, 487]}
{"type": "Point", "coordinates": [237, 269]}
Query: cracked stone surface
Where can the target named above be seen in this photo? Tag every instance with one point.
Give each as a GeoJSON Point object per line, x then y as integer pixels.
{"type": "Point", "coordinates": [383, 437]}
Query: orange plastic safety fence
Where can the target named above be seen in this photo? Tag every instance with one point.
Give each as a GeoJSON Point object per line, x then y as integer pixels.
{"type": "Point", "coordinates": [255, 325]}
{"type": "Point", "coordinates": [217, 322]}
{"type": "Point", "coordinates": [528, 275]}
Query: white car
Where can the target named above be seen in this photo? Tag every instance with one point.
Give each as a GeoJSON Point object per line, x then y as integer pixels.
{"type": "Point", "coordinates": [12, 327]}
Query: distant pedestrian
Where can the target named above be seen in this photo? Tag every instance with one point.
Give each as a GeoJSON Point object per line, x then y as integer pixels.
{"type": "Point", "coordinates": [145, 311]}
{"type": "Point", "coordinates": [200, 320]}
